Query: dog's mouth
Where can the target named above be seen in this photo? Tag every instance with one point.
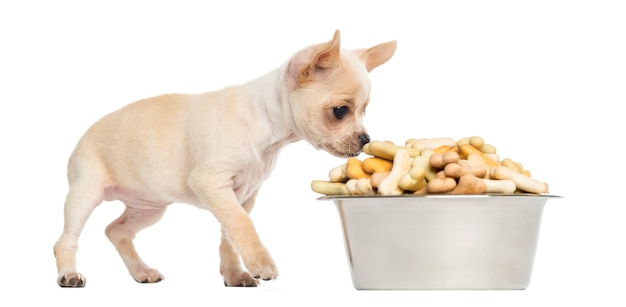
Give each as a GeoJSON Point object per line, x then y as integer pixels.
{"type": "Point", "coordinates": [343, 154]}
{"type": "Point", "coordinates": [347, 154]}
{"type": "Point", "coordinates": [347, 147]}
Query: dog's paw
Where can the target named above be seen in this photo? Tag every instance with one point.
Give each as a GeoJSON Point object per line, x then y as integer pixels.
{"type": "Point", "coordinates": [72, 280]}
{"type": "Point", "coordinates": [239, 279]}
{"type": "Point", "coordinates": [263, 269]}
{"type": "Point", "coordinates": [147, 275]}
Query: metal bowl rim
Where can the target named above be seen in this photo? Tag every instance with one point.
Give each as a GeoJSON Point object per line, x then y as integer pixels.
{"type": "Point", "coordinates": [439, 196]}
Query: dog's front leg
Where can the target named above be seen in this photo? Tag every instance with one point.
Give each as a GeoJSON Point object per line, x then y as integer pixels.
{"type": "Point", "coordinates": [238, 232]}
{"type": "Point", "coordinates": [230, 264]}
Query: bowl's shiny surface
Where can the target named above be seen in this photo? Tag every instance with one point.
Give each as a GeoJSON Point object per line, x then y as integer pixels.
{"type": "Point", "coordinates": [441, 241]}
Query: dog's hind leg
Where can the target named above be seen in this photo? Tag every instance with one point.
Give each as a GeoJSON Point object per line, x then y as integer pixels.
{"type": "Point", "coordinates": [121, 233]}
{"type": "Point", "coordinates": [83, 196]}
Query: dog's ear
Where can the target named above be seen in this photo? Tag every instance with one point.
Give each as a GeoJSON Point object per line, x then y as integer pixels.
{"type": "Point", "coordinates": [320, 56]}
{"type": "Point", "coordinates": [328, 54]}
{"type": "Point", "coordinates": [377, 55]}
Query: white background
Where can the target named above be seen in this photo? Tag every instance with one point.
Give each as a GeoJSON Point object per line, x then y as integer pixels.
{"type": "Point", "coordinates": [543, 81]}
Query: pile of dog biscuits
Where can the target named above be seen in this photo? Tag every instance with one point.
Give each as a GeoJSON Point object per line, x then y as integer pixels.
{"type": "Point", "coordinates": [429, 166]}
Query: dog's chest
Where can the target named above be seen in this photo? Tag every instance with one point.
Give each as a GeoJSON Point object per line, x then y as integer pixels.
{"type": "Point", "coordinates": [254, 171]}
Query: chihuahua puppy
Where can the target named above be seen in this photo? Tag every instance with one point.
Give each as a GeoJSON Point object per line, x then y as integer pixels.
{"type": "Point", "coordinates": [213, 150]}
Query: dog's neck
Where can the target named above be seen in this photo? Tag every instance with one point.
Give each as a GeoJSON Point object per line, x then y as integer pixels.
{"type": "Point", "coordinates": [272, 103]}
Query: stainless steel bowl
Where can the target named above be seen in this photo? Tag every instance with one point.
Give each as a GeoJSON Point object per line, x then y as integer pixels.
{"type": "Point", "coordinates": [441, 241]}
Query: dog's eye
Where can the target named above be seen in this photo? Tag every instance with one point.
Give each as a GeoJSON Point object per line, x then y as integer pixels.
{"type": "Point", "coordinates": [340, 112]}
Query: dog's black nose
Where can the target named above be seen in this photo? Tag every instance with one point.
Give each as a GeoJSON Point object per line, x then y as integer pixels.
{"type": "Point", "coordinates": [364, 139]}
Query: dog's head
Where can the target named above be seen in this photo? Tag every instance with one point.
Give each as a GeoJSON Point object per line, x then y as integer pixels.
{"type": "Point", "coordinates": [329, 89]}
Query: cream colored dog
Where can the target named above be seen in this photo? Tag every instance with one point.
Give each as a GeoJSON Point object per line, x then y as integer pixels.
{"type": "Point", "coordinates": [213, 150]}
